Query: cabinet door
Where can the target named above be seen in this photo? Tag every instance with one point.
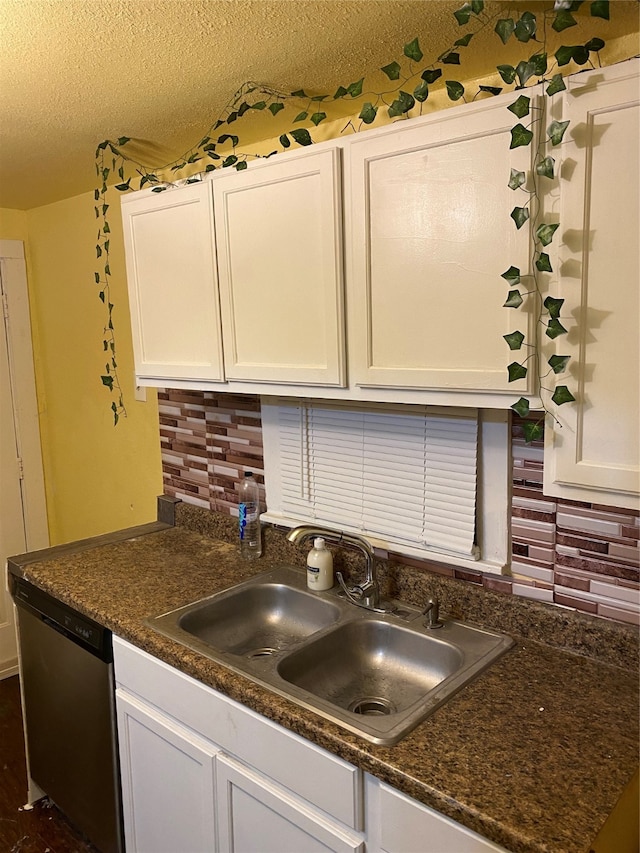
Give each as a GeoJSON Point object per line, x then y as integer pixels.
{"type": "Point", "coordinates": [430, 237]}
{"type": "Point", "coordinates": [173, 290]}
{"type": "Point", "coordinates": [399, 824]}
{"type": "Point", "coordinates": [167, 782]}
{"type": "Point", "coordinates": [280, 265]}
{"type": "Point", "coordinates": [593, 454]}
{"type": "Point", "coordinates": [257, 816]}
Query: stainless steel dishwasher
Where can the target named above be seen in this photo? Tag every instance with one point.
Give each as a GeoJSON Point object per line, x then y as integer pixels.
{"type": "Point", "coordinates": [69, 711]}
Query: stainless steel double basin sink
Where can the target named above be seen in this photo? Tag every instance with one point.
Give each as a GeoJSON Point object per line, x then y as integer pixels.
{"type": "Point", "coordinates": [376, 674]}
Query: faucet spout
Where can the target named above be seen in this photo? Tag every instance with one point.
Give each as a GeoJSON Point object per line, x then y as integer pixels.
{"type": "Point", "coordinates": [365, 594]}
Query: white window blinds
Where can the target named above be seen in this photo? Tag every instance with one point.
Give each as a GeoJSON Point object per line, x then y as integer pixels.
{"type": "Point", "coordinates": [395, 473]}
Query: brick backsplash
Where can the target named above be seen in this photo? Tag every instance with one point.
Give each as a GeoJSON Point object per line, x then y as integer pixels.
{"type": "Point", "coordinates": [580, 555]}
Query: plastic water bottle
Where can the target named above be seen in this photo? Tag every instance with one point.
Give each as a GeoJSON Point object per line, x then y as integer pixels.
{"type": "Point", "coordinates": [249, 518]}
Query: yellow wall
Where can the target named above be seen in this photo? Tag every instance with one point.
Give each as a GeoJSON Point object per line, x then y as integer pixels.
{"type": "Point", "coordinates": [98, 478]}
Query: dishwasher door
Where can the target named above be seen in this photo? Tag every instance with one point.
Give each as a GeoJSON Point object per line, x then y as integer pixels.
{"type": "Point", "coordinates": [69, 710]}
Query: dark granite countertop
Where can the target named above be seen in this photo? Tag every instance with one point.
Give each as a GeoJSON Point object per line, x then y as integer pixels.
{"type": "Point", "coordinates": [533, 754]}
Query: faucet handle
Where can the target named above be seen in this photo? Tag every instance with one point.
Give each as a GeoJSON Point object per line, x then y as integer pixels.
{"type": "Point", "coordinates": [432, 612]}
{"type": "Point", "coordinates": [355, 594]}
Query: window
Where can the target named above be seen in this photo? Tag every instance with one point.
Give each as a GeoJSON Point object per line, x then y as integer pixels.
{"type": "Point", "coordinates": [407, 477]}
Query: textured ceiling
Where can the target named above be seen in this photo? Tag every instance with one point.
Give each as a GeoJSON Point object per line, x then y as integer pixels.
{"type": "Point", "coordinates": [75, 72]}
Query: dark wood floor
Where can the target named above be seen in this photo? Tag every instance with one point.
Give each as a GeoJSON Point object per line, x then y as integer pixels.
{"type": "Point", "coordinates": [44, 829]}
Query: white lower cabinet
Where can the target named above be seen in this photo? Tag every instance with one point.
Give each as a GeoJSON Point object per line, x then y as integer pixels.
{"type": "Point", "coordinates": [398, 824]}
{"type": "Point", "coordinates": [201, 772]}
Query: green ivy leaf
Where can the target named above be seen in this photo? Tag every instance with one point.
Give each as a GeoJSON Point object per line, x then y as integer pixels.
{"type": "Point", "coordinates": [517, 179]}
{"type": "Point", "coordinates": [507, 72]}
{"type": "Point", "coordinates": [514, 299]}
{"type": "Point", "coordinates": [158, 189]}
{"type": "Point", "coordinates": [555, 329]}
{"type": "Point", "coordinates": [229, 161]}
{"type": "Point", "coordinates": [514, 339]}
{"type": "Point", "coordinates": [564, 54]}
{"type": "Point", "coordinates": [403, 103]}
{"type": "Point", "coordinates": [556, 131]}
{"type": "Point", "coordinates": [232, 117]}
{"type": "Point", "coordinates": [300, 93]}
{"type": "Point", "coordinates": [525, 70]}
{"type": "Point", "coordinates": [455, 90]}
{"type": "Point", "coordinates": [600, 9]}
{"type": "Point", "coordinates": [284, 141]}
{"type": "Point", "coordinates": [275, 108]}
{"type": "Point", "coordinates": [520, 135]}
{"type": "Point", "coordinates": [562, 395]}
{"type": "Point", "coordinates": [319, 98]}
{"type": "Point", "coordinates": [451, 58]}
{"type": "Point", "coordinates": [241, 166]}
{"type": "Point", "coordinates": [520, 216]}
{"type": "Point", "coordinates": [492, 90]}
{"type": "Point", "coordinates": [505, 29]}
{"type": "Point", "coordinates": [516, 371]}
{"type": "Point", "coordinates": [340, 93]}
{"type": "Point", "coordinates": [463, 14]}
{"type": "Point", "coordinates": [392, 70]}
{"type": "Point", "coordinates": [553, 306]}
{"type": "Point", "coordinates": [222, 139]}
{"type": "Point", "coordinates": [521, 407]}
{"type": "Point", "coordinates": [101, 295]}
{"type": "Point", "coordinates": [431, 75]}
{"type": "Point", "coordinates": [301, 116]}
{"type": "Point", "coordinates": [526, 27]}
{"type": "Point", "coordinates": [545, 232]}
{"type": "Point", "coordinates": [539, 64]}
{"type": "Point", "coordinates": [355, 89]}
{"type": "Point", "coordinates": [97, 277]}
{"type": "Point", "coordinates": [98, 251]}
{"type": "Point", "coordinates": [259, 105]}
{"type": "Point", "coordinates": [563, 20]}
{"type": "Point", "coordinates": [520, 107]}
{"type": "Point", "coordinates": [421, 92]}
{"type": "Point", "coordinates": [558, 363]}
{"type": "Point", "coordinates": [594, 45]}
{"type": "Point", "coordinates": [512, 275]}
{"type": "Point", "coordinates": [545, 167]}
{"type": "Point", "coordinates": [368, 113]}
{"type": "Point", "coordinates": [580, 54]}
{"type": "Point", "coordinates": [108, 381]}
{"type": "Point", "coordinates": [556, 84]}
{"type": "Point", "coordinates": [316, 118]}
{"type": "Point", "coordinates": [464, 41]}
{"type": "Point", "coordinates": [412, 51]}
{"type": "Point", "coordinates": [477, 6]}
{"type": "Point", "coordinates": [301, 136]}
{"type": "Point", "coordinates": [533, 431]}
{"type": "Point", "coordinates": [543, 264]}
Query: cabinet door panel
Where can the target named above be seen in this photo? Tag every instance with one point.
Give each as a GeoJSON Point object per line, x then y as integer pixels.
{"type": "Point", "coordinates": [167, 782]}
{"type": "Point", "coordinates": [595, 456]}
{"type": "Point", "coordinates": [255, 816]}
{"type": "Point", "coordinates": [280, 264]}
{"type": "Point", "coordinates": [430, 239]}
{"type": "Point", "coordinates": [173, 289]}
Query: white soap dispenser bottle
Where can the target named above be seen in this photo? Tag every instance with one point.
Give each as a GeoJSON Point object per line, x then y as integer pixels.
{"type": "Point", "coordinates": [319, 566]}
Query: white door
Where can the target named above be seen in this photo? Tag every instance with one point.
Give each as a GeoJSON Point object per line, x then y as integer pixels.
{"type": "Point", "coordinates": [22, 505]}
{"type": "Point", "coordinates": [593, 453]}
{"type": "Point", "coordinates": [167, 782]}
{"type": "Point", "coordinates": [279, 246]}
{"type": "Point", "coordinates": [430, 238]}
{"type": "Point", "coordinates": [257, 816]}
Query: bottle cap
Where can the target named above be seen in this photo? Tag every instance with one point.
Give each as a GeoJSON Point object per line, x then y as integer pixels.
{"type": "Point", "coordinates": [318, 544]}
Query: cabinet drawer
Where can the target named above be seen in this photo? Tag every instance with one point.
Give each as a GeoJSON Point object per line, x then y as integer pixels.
{"type": "Point", "coordinates": [330, 783]}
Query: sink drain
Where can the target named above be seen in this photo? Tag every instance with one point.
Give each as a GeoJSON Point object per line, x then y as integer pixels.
{"type": "Point", "coordinates": [262, 653]}
{"type": "Point", "coordinates": [372, 707]}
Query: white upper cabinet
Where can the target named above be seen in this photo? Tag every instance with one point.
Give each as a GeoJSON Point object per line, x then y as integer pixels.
{"type": "Point", "coordinates": [173, 289]}
{"type": "Point", "coordinates": [593, 454]}
{"type": "Point", "coordinates": [429, 237]}
{"type": "Point", "coordinates": [278, 231]}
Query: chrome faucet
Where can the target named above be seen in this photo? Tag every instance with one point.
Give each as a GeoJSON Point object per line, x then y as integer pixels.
{"type": "Point", "coordinates": [365, 594]}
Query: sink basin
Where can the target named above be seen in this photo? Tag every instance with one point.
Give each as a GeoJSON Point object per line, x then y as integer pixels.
{"type": "Point", "coordinates": [254, 619]}
{"type": "Point", "coordinates": [377, 675]}
{"type": "Point", "coordinates": [371, 667]}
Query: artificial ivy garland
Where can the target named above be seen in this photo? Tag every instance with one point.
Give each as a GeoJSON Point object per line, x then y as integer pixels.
{"type": "Point", "coordinates": [221, 148]}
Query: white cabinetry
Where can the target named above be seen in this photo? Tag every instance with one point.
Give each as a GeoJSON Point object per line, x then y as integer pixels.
{"type": "Point", "coordinates": [202, 773]}
{"type": "Point", "coordinates": [429, 239]}
{"type": "Point", "coordinates": [593, 454]}
{"type": "Point", "coordinates": [278, 231]}
{"type": "Point", "coordinates": [398, 824]}
{"type": "Point", "coordinates": [173, 288]}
